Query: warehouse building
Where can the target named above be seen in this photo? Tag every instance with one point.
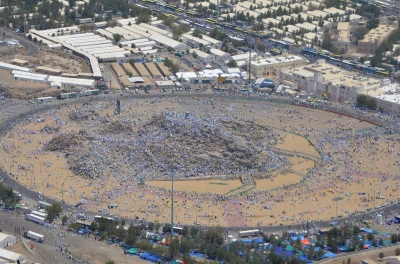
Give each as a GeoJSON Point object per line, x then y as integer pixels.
{"type": "Point", "coordinates": [219, 54]}
{"type": "Point", "coordinates": [155, 73]}
{"type": "Point", "coordinates": [118, 70]}
{"type": "Point", "coordinates": [164, 70]}
{"type": "Point", "coordinates": [168, 42]}
{"type": "Point", "coordinates": [143, 72]}
{"type": "Point", "coordinates": [203, 56]}
{"type": "Point", "coordinates": [129, 69]}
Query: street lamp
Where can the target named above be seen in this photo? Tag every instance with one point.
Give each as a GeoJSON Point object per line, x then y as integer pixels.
{"type": "Point", "coordinates": [172, 200]}
{"type": "Point", "coordinates": [23, 13]}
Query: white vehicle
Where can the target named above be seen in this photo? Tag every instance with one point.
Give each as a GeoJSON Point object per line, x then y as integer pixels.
{"type": "Point", "coordinates": [36, 219]}
{"type": "Point", "coordinates": [44, 99]}
{"type": "Point", "coordinates": [43, 205]}
{"type": "Point", "coordinates": [34, 236]}
{"type": "Point", "coordinates": [249, 233]}
{"type": "Point", "coordinates": [43, 215]}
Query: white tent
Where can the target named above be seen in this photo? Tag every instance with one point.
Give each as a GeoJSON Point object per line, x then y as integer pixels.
{"type": "Point", "coordinates": [7, 240]}
{"type": "Point", "coordinates": [11, 256]}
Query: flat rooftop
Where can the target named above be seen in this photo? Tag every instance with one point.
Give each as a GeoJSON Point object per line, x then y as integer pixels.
{"type": "Point", "coordinates": [336, 75]}
{"type": "Point", "coordinates": [275, 60]}
{"type": "Point", "coordinates": [378, 33]}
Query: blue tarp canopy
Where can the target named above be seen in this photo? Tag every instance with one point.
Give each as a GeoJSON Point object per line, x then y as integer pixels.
{"type": "Point", "coordinates": [145, 255]}
{"type": "Point", "coordinates": [258, 240]}
{"type": "Point", "coordinates": [367, 231]}
{"type": "Point", "coordinates": [329, 255]}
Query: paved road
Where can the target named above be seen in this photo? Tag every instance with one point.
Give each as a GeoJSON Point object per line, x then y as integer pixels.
{"type": "Point", "coordinates": [29, 194]}
{"type": "Point", "coordinates": [32, 47]}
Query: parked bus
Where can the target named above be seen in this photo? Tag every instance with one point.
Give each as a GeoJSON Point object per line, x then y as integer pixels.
{"type": "Point", "coordinates": [43, 215]}
{"type": "Point", "coordinates": [43, 205]}
{"type": "Point", "coordinates": [177, 230]}
{"type": "Point", "coordinates": [249, 233]}
{"type": "Point", "coordinates": [98, 217]}
{"type": "Point", "coordinates": [67, 96]}
{"type": "Point", "coordinates": [44, 99]}
{"type": "Point", "coordinates": [382, 73]}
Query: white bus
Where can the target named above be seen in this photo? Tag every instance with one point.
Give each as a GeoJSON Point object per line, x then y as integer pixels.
{"type": "Point", "coordinates": [43, 215]}
{"type": "Point", "coordinates": [249, 233]}
{"type": "Point", "coordinates": [177, 230]}
{"type": "Point", "coordinates": [44, 99]}
{"type": "Point", "coordinates": [43, 205]}
{"type": "Point", "coordinates": [98, 217]}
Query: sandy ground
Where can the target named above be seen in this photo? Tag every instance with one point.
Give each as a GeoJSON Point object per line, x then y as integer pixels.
{"type": "Point", "coordinates": [352, 164]}
{"type": "Point", "coordinates": [57, 59]}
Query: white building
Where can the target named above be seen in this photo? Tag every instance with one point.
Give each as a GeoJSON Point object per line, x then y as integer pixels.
{"type": "Point", "coordinates": [7, 240]}
{"type": "Point", "coordinates": [219, 54]}
{"type": "Point", "coordinates": [338, 84]}
{"type": "Point", "coordinates": [168, 42]}
{"type": "Point", "coordinates": [11, 257]}
{"type": "Point", "coordinates": [203, 56]}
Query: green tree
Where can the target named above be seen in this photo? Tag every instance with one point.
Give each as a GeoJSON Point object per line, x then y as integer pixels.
{"type": "Point", "coordinates": [93, 226]}
{"type": "Point", "coordinates": [197, 33]}
{"type": "Point", "coordinates": [53, 211]}
{"type": "Point", "coordinates": [151, 226]}
{"type": "Point", "coordinates": [64, 219]}
{"type": "Point", "coordinates": [326, 41]}
{"type": "Point", "coordinates": [360, 33]}
{"type": "Point", "coordinates": [397, 252]}
{"type": "Point", "coordinates": [372, 23]}
{"type": "Point", "coordinates": [381, 255]}
{"type": "Point", "coordinates": [110, 262]}
{"type": "Point", "coordinates": [194, 54]}
{"type": "Point", "coordinates": [174, 247]}
{"type": "Point", "coordinates": [167, 226]}
{"type": "Point", "coordinates": [143, 18]}
{"type": "Point", "coordinates": [8, 196]}
{"type": "Point", "coordinates": [117, 37]}
{"type": "Point", "coordinates": [232, 64]}
{"type": "Point", "coordinates": [179, 30]}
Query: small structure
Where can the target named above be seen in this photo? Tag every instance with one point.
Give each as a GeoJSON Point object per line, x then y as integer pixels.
{"type": "Point", "coordinates": [19, 62]}
{"type": "Point", "coordinates": [48, 70]}
{"type": "Point", "coordinates": [12, 257]}
{"type": "Point", "coordinates": [7, 240]}
{"type": "Point", "coordinates": [164, 85]}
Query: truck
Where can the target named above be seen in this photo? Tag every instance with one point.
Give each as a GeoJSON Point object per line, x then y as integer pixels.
{"type": "Point", "coordinates": [67, 96]}
{"type": "Point", "coordinates": [34, 236]}
{"type": "Point", "coordinates": [90, 92]}
{"type": "Point", "coordinates": [36, 219]}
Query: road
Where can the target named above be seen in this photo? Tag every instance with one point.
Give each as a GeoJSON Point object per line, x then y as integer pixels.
{"type": "Point", "coordinates": [32, 47]}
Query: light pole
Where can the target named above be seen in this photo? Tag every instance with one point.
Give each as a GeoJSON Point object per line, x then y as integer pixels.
{"type": "Point", "coordinates": [172, 200]}
{"type": "Point", "coordinates": [23, 13]}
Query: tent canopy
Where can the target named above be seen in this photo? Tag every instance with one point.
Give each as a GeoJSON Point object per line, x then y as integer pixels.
{"type": "Point", "coordinates": [132, 251]}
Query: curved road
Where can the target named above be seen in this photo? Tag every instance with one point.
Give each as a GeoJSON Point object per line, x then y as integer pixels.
{"type": "Point", "coordinates": [25, 110]}
{"type": "Point", "coordinates": [32, 47]}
